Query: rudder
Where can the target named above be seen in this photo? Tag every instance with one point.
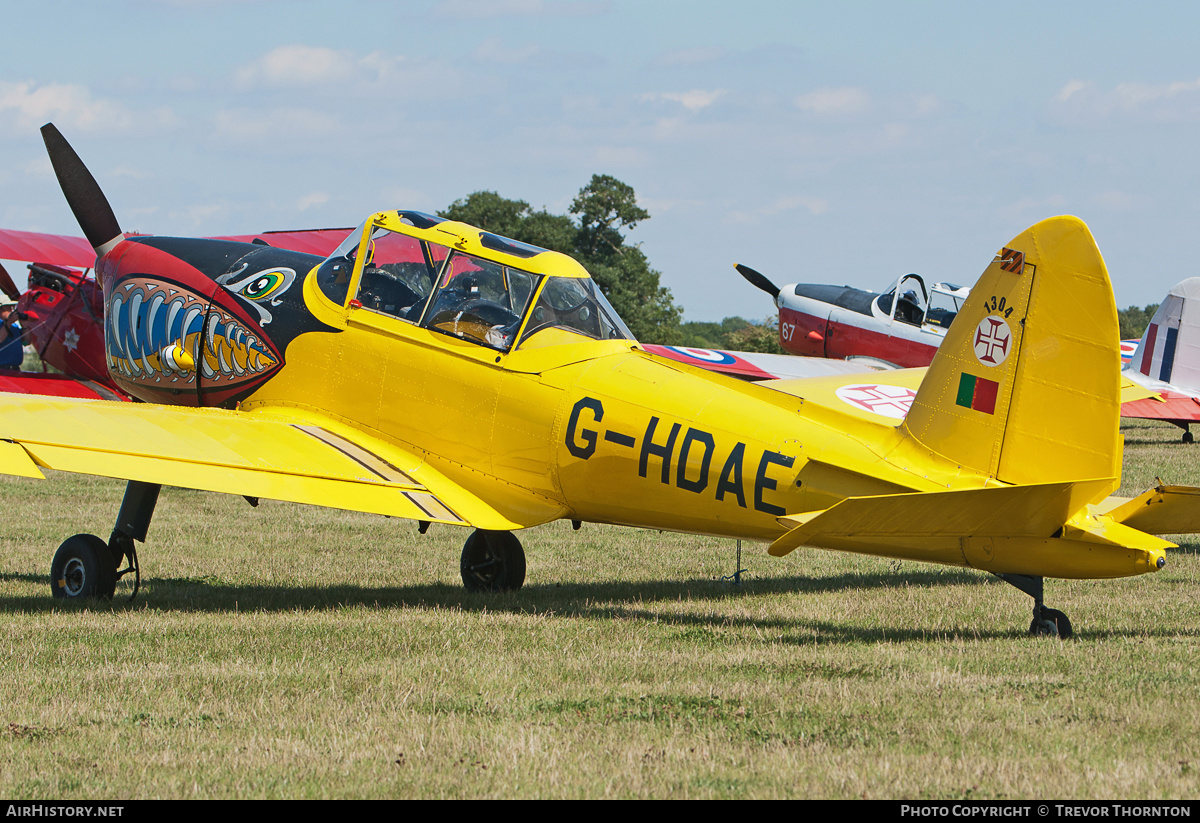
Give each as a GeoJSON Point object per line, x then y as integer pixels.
{"type": "Point", "coordinates": [1026, 385]}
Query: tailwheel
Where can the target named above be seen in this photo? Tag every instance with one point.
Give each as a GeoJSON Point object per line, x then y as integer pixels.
{"type": "Point", "coordinates": [83, 568]}
{"type": "Point", "coordinates": [492, 562]}
{"type": "Point", "coordinates": [1046, 622]}
{"type": "Point", "coordinates": [1050, 623]}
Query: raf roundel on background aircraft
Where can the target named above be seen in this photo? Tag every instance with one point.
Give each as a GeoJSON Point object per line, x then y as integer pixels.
{"type": "Point", "coordinates": [429, 370]}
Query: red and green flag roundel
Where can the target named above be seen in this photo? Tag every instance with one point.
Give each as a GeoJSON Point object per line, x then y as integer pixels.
{"type": "Point", "coordinates": [977, 393]}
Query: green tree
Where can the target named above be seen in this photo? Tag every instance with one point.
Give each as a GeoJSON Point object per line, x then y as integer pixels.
{"type": "Point", "coordinates": [606, 208]}
{"type": "Point", "coordinates": [759, 337]}
{"type": "Point", "coordinates": [734, 333]}
{"type": "Point", "coordinates": [1134, 321]}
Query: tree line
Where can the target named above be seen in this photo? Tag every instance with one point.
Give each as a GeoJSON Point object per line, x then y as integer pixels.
{"type": "Point", "coordinates": [593, 232]}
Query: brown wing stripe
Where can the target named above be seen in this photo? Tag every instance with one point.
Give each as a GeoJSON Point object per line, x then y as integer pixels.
{"type": "Point", "coordinates": [433, 507]}
{"type": "Point", "coordinates": [368, 460]}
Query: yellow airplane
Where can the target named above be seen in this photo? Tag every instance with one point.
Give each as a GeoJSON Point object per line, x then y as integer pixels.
{"type": "Point", "coordinates": [432, 371]}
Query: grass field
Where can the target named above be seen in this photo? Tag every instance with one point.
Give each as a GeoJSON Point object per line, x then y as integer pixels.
{"type": "Point", "coordinates": [297, 652]}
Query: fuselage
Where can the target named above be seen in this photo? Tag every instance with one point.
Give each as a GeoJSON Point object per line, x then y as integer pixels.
{"type": "Point", "coordinates": [501, 369]}
{"type": "Point", "coordinates": [573, 412]}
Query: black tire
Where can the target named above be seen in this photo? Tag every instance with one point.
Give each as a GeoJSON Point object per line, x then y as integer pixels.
{"type": "Point", "coordinates": [492, 562]}
{"type": "Point", "coordinates": [1051, 623]}
{"type": "Point", "coordinates": [1187, 437]}
{"type": "Point", "coordinates": [83, 569]}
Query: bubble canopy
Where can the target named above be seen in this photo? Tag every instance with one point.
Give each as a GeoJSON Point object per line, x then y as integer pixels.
{"type": "Point", "coordinates": [455, 279]}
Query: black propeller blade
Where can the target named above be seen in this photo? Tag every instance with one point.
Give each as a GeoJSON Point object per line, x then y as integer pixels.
{"type": "Point", "coordinates": [758, 280]}
{"type": "Point", "coordinates": [8, 286]}
{"type": "Point", "coordinates": [91, 208]}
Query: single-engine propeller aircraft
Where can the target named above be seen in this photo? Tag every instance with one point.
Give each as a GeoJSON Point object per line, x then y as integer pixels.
{"type": "Point", "coordinates": [902, 327]}
{"type": "Point", "coordinates": [845, 323]}
{"type": "Point", "coordinates": [429, 370]}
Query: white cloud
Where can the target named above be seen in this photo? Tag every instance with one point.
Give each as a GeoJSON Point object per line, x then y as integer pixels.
{"type": "Point", "coordinates": [1069, 90]}
{"type": "Point", "coordinates": [834, 102]}
{"type": "Point", "coordinates": [1082, 103]}
{"type": "Point", "coordinates": [68, 106]}
{"type": "Point", "coordinates": [301, 66]}
{"type": "Point", "coordinates": [693, 100]}
{"type": "Point", "coordinates": [297, 65]}
{"type": "Point", "coordinates": [317, 198]}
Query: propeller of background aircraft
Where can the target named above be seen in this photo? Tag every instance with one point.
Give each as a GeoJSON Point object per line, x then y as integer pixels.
{"type": "Point", "coordinates": [758, 280]}
{"type": "Point", "coordinates": [7, 285]}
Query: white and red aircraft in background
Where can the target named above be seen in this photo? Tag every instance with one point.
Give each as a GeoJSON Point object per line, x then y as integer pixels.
{"type": "Point", "coordinates": [845, 323]}
{"type": "Point", "coordinates": [901, 327]}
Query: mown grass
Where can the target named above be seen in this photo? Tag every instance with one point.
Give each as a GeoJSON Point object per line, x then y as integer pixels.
{"type": "Point", "coordinates": [296, 652]}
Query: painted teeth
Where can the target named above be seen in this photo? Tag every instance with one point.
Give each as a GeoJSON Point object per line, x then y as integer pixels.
{"type": "Point", "coordinates": [140, 327]}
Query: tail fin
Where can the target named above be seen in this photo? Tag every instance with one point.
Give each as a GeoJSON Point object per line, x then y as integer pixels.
{"type": "Point", "coordinates": [90, 206]}
{"type": "Point", "coordinates": [1170, 348]}
{"type": "Point", "coordinates": [1026, 385]}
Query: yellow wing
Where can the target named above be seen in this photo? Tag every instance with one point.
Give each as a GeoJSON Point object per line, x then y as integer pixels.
{"type": "Point", "coordinates": [280, 454]}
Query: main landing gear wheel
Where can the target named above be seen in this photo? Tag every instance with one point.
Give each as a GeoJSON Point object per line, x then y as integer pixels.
{"type": "Point", "coordinates": [492, 562]}
{"type": "Point", "coordinates": [1051, 623]}
{"type": "Point", "coordinates": [83, 568]}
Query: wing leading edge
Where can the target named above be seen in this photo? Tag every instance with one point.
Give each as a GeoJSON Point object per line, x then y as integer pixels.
{"type": "Point", "coordinates": [279, 454]}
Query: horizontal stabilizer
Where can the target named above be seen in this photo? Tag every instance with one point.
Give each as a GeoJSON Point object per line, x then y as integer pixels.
{"type": "Point", "coordinates": [1044, 530]}
{"type": "Point", "coordinates": [1161, 510]}
{"type": "Point", "coordinates": [1133, 392]}
{"type": "Point", "coordinates": [1008, 511]}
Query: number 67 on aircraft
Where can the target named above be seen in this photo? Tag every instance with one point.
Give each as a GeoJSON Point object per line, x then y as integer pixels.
{"type": "Point", "coordinates": [432, 371]}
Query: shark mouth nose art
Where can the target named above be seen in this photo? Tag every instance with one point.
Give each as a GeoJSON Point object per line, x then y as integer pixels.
{"type": "Point", "coordinates": [151, 322]}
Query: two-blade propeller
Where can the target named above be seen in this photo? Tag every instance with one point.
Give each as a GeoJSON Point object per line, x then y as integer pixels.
{"type": "Point", "coordinates": [8, 286]}
{"type": "Point", "coordinates": [757, 280]}
{"type": "Point", "coordinates": [92, 211]}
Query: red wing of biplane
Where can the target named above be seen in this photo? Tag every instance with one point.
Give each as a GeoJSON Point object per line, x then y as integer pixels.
{"type": "Point", "coordinates": [76, 252]}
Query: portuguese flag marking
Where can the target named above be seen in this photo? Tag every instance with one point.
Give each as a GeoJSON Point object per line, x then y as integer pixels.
{"type": "Point", "coordinates": [977, 393]}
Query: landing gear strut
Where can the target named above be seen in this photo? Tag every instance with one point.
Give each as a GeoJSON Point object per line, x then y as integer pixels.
{"type": "Point", "coordinates": [85, 567]}
{"type": "Point", "coordinates": [493, 562]}
{"type": "Point", "coordinates": [1046, 622]}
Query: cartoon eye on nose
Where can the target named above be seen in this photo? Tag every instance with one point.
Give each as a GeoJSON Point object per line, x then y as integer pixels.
{"type": "Point", "coordinates": [263, 285]}
{"type": "Point", "coordinates": [261, 288]}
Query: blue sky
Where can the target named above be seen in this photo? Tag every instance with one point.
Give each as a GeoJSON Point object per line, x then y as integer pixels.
{"type": "Point", "coordinates": [841, 142]}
